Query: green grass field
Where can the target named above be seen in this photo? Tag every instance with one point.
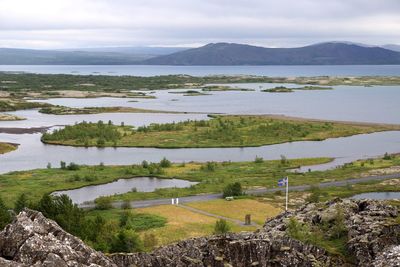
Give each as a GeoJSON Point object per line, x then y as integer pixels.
{"type": "Point", "coordinates": [212, 177]}
{"type": "Point", "coordinates": [220, 131]}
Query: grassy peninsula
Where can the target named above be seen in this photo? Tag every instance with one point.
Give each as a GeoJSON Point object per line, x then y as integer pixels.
{"type": "Point", "coordinates": [62, 110]}
{"type": "Point", "coordinates": [220, 131]}
{"type": "Point", "coordinates": [6, 147]}
{"type": "Point", "coordinates": [284, 89]}
{"type": "Point", "coordinates": [9, 117]}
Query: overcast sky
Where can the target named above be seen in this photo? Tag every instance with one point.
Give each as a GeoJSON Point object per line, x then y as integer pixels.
{"type": "Point", "coordinates": [273, 23]}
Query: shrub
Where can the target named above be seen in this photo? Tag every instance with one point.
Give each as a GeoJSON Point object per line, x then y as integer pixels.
{"type": "Point", "coordinates": [73, 167]}
{"type": "Point", "coordinates": [145, 164]}
{"type": "Point", "coordinates": [284, 160]}
{"type": "Point", "coordinates": [101, 142]}
{"type": "Point", "coordinates": [144, 221]}
{"type": "Point", "coordinates": [221, 227]}
{"type": "Point", "coordinates": [259, 160]}
{"type": "Point", "coordinates": [164, 163]}
{"type": "Point", "coordinates": [210, 166]}
{"type": "Point", "coordinates": [126, 241]}
{"type": "Point", "coordinates": [387, 156]}
{"type": "Point", "coordinates": [315, 194]}
{"type": "Point", "coordinates": [232, 190]}
{"type": "Point", "coordinates": [297, 230]}
{"type": "Point", "coordinates": [103, 203]}
{"type": "Point", "coordinates": [338, 228]}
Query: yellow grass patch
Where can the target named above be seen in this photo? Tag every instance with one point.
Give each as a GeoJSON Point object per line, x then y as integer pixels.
{"type": "Point", "coordinates": [183, 224]}
{"type": "Point", "coordinates": [237, 209]}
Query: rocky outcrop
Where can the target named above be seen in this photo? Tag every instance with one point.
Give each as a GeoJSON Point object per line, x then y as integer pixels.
{"type": "Point", "coordinates": [372, 231]}
{"type": "Point", "coordinates": [33, 240]}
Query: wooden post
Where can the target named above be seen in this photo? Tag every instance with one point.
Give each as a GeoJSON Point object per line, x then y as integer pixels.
{"type": "Point", "coordinates": [247, 219]}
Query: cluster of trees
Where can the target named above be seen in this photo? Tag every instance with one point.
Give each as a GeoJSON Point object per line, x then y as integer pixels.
{"type": "Point", "coordinates": [38, 82]}
{"type": "Point", "coordinates": [164, 127]}
{"type": "Point", "coordinates": [105, 235]}
{"type": "Point", "coordinates": [233, 190]}
{"type": "Point", "coordinates": [85, 133]}
{"type": "Point", "coordinates": [156, 168]}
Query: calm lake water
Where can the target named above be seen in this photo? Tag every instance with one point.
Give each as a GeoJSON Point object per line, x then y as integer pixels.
{"type": "Point", "coordinates": [378, 195]}
{"type": "Point", "coordinates": [142, 70]}
{"type": "Point", "coordinates": [347, 103]}
{"type": "Point", "coordinates": [33, 154]}
{"type": "Point", "coordinates": [121, 186]}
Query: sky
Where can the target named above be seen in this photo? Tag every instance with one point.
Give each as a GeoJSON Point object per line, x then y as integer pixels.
{"type": "Point", "coordinates": [55, 24]}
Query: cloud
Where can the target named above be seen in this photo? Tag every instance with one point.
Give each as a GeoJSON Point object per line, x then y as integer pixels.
{"type": "Point", "coordinates": [74, 23]}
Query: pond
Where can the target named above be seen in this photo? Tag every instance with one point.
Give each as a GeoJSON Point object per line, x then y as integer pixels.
{"type": "Point", "coordinates": [378, 195]}
{"type": "Point", "coordinates": [121, 186]}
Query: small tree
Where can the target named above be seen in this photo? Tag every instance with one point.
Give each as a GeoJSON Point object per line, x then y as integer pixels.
{"type": "Point", "coordinates": [221, 227]}
{"type": "Point", "coordinates": [63, 165]}
{"type": "Point", "coordinates": [21, 203]}
{"type": "Point", "coordinates": [5, 217]}
{"type": "Point", "coordinates": [48, 165]}
{"type": "Point", "coordinates": [232, 190]}
{"type": "Point", "coordinates": [145, 164]}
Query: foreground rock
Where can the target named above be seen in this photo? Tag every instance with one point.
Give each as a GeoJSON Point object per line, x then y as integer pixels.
{"type": "Point", "coordinates": [373, 239]}
{"type": "Point", "coordinates": [33, 240]}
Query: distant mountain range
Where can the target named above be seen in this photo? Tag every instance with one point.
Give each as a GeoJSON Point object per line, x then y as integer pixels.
{"type": "Point", "coordinates": [332, 53]}
{"type": "Point", "coordinates": [83, 56]}
{"type": "Point", "coordinates": [318, 54]}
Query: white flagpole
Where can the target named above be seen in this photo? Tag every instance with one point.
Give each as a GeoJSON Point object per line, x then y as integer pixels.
{"type": "Point", "coordinates": [287, 191]}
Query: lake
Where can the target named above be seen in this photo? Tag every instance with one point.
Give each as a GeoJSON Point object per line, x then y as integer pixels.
{"type": "Point", "coordinates": [33, 154]}
{"type": "Point", "coordinates": [121, 186]}
{"type": "Point", "coordinates": [348, 103]}
{"type": "Point", "coordinates": [143, 70]}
